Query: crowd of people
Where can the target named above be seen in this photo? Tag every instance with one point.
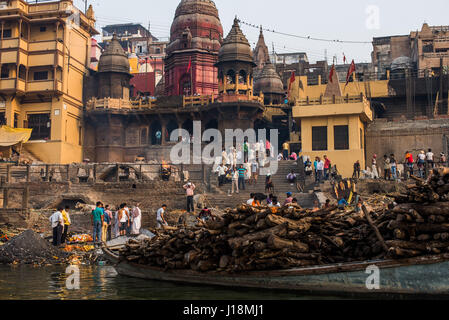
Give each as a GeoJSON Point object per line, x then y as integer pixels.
{"type": "Point", "coordinates": [394, 169]}
{"type": "Point", "coordinates": [106, 223]}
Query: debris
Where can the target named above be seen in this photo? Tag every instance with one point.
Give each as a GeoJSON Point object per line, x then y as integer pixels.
{"type": "Point", "coordinates": [29, 248]}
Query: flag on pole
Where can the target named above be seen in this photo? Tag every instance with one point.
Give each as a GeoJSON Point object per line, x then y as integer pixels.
{"type": "Point", "coordinates": [190, 64]}
{"type": "Point", "coordinates": [344, 58]}
{"type": "Point", "coordinates": [292, 79]}
{"type": "Point", "coordinates": [350, 72]}
{"type": "Point", "coordinates": [331, 74]}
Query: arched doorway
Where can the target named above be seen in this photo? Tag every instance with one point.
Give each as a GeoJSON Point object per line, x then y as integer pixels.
{"type": "Point", "coordinates": [185, 85]}
{"type": "Point", "coordinates": [172, 125]}
{"type": "Point", "coordinates": [156, 133]}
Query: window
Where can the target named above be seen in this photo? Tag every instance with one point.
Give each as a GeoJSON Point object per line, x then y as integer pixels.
{"type": "Point", "coordinates": [230, 77]}
{"type": "Point", "coordinates": [242, 77]}
{"type": "Point", "coordinates": [16, 120]}
{"type": "Point", "coordinates": [2, 119]}
{"type": "Point", "coordinates": [5, 72]}
{"type": "Point", "coordinates": [41, 125]}
{"type": "Point", "coordinates": [40, 75]}
{"type": "Point", "coordinates": [43, 29]}
{"type": "Point", "coordinates": [341, 138]}
{"type": "Point", "coordinates": [319, 138]}
{"type": "Point", "coordinates": [7, 33]}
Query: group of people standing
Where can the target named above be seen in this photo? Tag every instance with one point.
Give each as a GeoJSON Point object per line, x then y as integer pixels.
{"type": "Point", "coordinates": [60, 222]}
{"type": "Point", "coordinates": [123, 221]}
{"type": "Point", "coordinates": [424, 161]}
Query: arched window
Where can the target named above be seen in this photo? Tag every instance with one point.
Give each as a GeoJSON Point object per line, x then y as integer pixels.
{"type": "Point", "coordinates": [242, 77]}
{"type": "Point", "coordinates": [230, 77]}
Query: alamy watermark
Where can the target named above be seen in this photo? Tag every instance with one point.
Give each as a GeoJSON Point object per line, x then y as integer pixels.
{"type": "Point", "coordinates": [73, 21]}
{"type": "Point", "coordinates": [73, 280]}
{"type": "Point", "coordinates": [189, 150]}
{"type": "Point", "coordinates": [372, 21]}
{"type": "Point", "coordinates": [373, 280]}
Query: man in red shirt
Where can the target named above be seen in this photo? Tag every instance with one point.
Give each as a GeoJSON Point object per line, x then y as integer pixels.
{"type": "Point", "coordinates": [409, 161]}
{"type": "Point", "coordinates": [327, 166]}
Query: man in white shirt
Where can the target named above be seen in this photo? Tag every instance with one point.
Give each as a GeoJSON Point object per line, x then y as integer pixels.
{"type": "Point", "coordinates": [57, 223]}
{"type": "Point", "coordinates": [160, 219]}
{"type": "Point", "coordinates": [429, 158]}
{"type": "Point", "coordinates": [320, 170]}
{"type": "Point", "coordinates": [221, 170]}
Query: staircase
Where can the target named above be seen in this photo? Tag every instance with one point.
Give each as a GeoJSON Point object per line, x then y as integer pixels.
{"type": "Point", "coordinates": [221, 199]}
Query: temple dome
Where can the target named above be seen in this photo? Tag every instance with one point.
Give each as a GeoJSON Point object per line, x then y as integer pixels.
{"type": "Point", "coordinates": [401, 63]}
{"type": "Point", "coordinates": [114, 58]}
{"type": "Point", "coordinates": [268, 81]}
{"type": "Point", "coordinates": [236, 47]}
{"type": "Point", "coordinates": [196, 26]}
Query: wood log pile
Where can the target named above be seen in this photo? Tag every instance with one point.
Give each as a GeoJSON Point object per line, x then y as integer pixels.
{"type": "Point", "coordinates": [248, 238]}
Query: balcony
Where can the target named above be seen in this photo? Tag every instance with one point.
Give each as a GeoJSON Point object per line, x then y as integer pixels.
{"type": "Point", "coordinates": [46, 45]}
{"type": "Point", "coordinates": [119, 104]}
{"type": "Point", "coordinates": [37, 60]}
{"type": "Point", "coordinates": [21, 85]}
{"type": "Point", "coordinates": [43, 85]}
{"type": "Point", "coordinates": [7, 84]}
{"type": "Point", "coordinates": [336, 106]}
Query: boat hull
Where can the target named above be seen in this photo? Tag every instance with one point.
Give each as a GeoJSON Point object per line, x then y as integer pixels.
{"type": "Point", "coordinates": [421, 277]}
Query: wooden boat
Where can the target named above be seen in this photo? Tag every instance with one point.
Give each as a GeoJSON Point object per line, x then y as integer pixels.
{"type": "Point", "coordinates": [422, 276]}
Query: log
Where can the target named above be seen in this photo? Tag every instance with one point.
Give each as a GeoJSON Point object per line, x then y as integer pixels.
{"type": "Point", "coordinates": [280, 230]}
{"type": "Point", "coordinates": [302, 225]}
{"type": "Point", "coordinates": [276, 242]}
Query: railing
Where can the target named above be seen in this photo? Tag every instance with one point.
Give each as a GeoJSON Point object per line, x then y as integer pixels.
{"type": "Point", "coordinates": [195, 101]}
{"type": "Point", "coordinates": [99, 172]}
{"type": "Point", "coordinates": [110, 103]}
{"type": "Point", "coordinates": [436, 54]}
{"type": "Point", "coordinates": [331, 100]}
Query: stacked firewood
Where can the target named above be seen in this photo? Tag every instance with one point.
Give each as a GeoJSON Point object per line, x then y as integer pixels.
{"type": "Point", "coordinates": [248, 238]}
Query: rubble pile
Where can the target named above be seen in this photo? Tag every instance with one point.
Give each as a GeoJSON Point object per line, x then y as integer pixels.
{"type": "Point", "coordinates": [248, 238]}
{"type": "Point", "coordinates": [30, 248]}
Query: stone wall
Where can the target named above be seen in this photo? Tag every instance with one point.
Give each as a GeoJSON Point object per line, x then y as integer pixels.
{"type": "Point", "coordinates": [397, 137]}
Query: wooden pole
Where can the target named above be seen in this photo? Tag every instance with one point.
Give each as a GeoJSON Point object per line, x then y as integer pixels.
{"type": "Point", "coordinates": [370, 221]}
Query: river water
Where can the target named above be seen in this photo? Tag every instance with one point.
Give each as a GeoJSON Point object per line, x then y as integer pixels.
{"type": "Point", "coordinates": [102, 282]}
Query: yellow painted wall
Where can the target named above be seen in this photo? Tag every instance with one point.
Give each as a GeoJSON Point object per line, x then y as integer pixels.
{"type": "Point", "coordinates": [300, 89]}
{"type": "Point", "coordinates": [343, 159]}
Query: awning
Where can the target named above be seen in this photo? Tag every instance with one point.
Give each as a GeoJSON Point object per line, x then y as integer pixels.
{"type": "Point", "coordinates": [10, 136]}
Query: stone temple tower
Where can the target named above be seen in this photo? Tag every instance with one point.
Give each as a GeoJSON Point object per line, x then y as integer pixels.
{"type": "Point", "coordinates": [114, 72]}
{"type": "Point", "coordinates": [195, 38]}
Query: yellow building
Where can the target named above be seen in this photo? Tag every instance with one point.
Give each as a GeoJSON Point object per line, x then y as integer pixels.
{"type": "Point", "coordinates": [373, 88]}
{"type": "Point", "coordinates": [334, 127]}
{"type": "Point", "coordinates": [45, 50]}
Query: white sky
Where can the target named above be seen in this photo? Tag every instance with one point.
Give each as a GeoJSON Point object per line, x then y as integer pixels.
{"type": "Point", "coordinates": [329, 19]}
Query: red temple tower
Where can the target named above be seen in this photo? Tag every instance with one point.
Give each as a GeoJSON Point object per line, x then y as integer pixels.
{"type": "Point", "coordinates": [195, 39]}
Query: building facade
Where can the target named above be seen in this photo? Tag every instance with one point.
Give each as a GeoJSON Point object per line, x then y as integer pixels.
{"type": "Point", "coordinates": [44, 56]}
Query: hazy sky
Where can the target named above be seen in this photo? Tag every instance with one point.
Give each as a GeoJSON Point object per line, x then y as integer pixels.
{"type": "Point", "coordinates": [353, 20]}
